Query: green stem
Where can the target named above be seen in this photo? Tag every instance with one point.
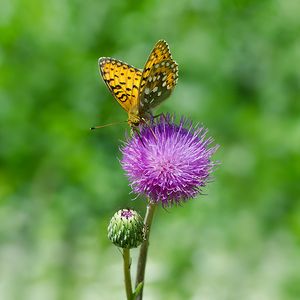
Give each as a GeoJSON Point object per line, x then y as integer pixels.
{"type": "Point", "coordinates": [127, 276]}
{"type": "Point", "coordinates": [140, 274]}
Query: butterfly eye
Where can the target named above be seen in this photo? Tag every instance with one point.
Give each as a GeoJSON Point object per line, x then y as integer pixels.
{"type": "Point", "coordinates": [134, 122]}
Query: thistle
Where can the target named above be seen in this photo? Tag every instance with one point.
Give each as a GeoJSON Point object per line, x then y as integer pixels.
{"type": "Point", "coordinates": [168, 162]}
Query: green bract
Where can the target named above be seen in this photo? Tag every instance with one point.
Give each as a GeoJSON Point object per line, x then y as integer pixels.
{"type": "Point", "coordinates": [126, 229]}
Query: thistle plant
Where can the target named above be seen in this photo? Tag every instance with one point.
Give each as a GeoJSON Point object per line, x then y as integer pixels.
{"type": "Point", "coordinates": [126, 230]}
{"type": "Point", "coordinates": [168, 163]}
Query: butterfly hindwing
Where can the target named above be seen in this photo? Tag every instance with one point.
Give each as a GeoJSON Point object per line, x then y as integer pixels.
{"type": "Point", "coordinates": [122, 80]}
{"type": "Point", "coordinates": [159, 85]}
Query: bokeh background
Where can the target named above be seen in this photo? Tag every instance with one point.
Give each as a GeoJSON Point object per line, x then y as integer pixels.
{"type": "Point", "coordinates": [60, 183]}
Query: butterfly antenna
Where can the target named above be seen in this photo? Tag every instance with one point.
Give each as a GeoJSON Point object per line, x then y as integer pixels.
{"type": "Point", "coordinates": [106, 125]}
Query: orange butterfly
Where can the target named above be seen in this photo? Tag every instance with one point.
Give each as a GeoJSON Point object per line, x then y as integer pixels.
{"type": "Point", "coordinates": [138, 91]}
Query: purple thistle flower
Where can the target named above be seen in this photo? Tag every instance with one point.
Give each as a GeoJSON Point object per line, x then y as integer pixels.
{"type": "Point", "coordinates": [168, 163]}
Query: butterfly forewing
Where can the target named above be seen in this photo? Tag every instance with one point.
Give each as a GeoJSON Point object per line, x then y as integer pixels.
{"type": "Point", "coordinates": [159, 53]}
{"type": "Point", "coordinates": [122, 80]}
{"type": "Point", "coordinates": [159, 85]}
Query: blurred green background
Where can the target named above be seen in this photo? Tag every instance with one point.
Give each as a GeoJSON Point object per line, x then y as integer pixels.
{"type": "Point", "coordinates": [60, 183]}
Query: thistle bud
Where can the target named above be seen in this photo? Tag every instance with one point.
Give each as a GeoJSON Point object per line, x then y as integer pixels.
{"type": "Point", "coordinates": [126, 229]}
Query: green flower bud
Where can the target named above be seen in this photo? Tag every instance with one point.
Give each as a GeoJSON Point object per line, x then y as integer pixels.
{"type": "Point", "coordinates": [126, 229]}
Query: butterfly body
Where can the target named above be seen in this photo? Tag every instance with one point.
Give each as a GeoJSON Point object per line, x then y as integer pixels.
{"type": "Point", "coordinates": [139, 91]}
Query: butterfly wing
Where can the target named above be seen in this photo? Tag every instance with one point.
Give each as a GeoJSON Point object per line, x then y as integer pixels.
{"type": "Point", "coordinates": [159, 85]}
{"type": "Point", "coordinates": [122, 80]}
{"type": "Point", "coordinates": [159, 53]}
{"type": "Point", "coordinates": [159, 78]}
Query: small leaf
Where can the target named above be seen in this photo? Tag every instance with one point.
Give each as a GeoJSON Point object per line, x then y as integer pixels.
{"type": "Point", "coordinates": [137, 290]}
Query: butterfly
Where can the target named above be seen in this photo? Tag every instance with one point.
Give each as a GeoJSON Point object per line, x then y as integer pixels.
{"type": "Point", "coordinates": [139, 91]}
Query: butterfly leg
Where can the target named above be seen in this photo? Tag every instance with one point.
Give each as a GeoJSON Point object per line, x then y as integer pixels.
{"type": "Point", "coordinates": [159, 115]}
{"type": "Point", "coordinates": [151, 119]}
{"type": "Point", "coordinates": [134, 130]}
{"type": "Point", "coordinates": [156, 116]}
{"type": "Point", "coordinates": [153, 133]}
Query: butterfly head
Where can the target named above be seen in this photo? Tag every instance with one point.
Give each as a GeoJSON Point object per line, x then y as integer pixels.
{"type": "Point", "coordinates": [133, 120]}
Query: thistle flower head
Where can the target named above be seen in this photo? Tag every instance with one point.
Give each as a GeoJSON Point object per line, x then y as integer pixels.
{"type": "Point", "coordinates": [168, 162]}
{"type": "Point", "coordinates": [126, 229]}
